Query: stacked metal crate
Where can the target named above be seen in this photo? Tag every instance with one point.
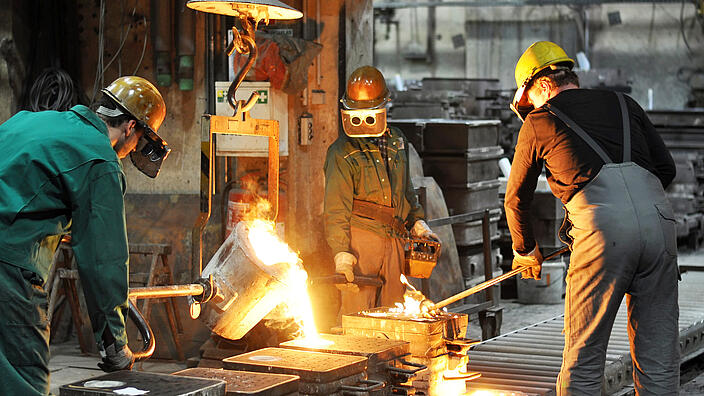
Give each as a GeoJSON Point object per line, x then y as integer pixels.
{"type": "Point", "coordinates": [683, 133]}
{"type": "Point", "coordinates": [547, 215]}
{"type": "Point", "coordinates": [455, 98]}
{"type": "Point", "coordinates": [462, 156]}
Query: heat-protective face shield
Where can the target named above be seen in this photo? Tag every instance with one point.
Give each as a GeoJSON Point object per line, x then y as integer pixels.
{"type": "Point", "coordinates": [520, 104]}
{"type": "Point", "coordinates": [364, 122]}
{"type": "Point", "coordinates": [150, 152]}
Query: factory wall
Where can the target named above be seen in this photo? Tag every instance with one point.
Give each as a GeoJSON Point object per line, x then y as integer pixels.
{"type": "Point", "coordinates": [643, 40]}
{"type": "Point", "coordinates": [164, 209]}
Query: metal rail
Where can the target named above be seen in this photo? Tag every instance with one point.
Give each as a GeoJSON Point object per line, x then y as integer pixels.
{"type": "Point", "coordinates": [529, 359]}
{"type": "Point", "coordinates": [463, 218]}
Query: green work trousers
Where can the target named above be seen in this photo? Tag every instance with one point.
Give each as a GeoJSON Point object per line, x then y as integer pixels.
{"type": "Point", "coordinates": [24, 334]}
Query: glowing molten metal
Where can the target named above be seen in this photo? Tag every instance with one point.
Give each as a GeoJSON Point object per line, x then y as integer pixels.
{"type": "Point", "coordinates": [271, 250]}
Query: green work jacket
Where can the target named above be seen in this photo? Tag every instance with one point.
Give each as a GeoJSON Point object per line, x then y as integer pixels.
{"type": "Point", "coordinates": [354, 169]}
{"type": "Point", "coordinates": [59, 172]}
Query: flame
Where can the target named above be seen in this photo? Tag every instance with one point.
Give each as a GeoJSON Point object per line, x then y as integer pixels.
{"type": "Point", "coordinates": [414, 302]}
{"type": "Point", "coordinates": [271, 250]}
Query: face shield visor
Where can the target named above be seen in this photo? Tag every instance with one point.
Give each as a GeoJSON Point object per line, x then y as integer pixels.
{"type": "Point", "coordinates": [520, 104]}
{"type": "Point", "coordinates": [364, 122]}
{"type": "Point", "coordinates": [150, 152]}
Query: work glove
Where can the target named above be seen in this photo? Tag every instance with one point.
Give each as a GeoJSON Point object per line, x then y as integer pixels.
{"type": "Point", "coordinates": [344, 264]}
{"type": "Point", "coordinates": [422, 230]}
{"type": "Point", "coordinates": [533, 262]}
{"type": "Point", "coordinates": [115, 359]}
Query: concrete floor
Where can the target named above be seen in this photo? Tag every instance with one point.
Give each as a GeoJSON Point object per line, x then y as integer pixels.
{"type": "Point", "coordinates": [67, 365]}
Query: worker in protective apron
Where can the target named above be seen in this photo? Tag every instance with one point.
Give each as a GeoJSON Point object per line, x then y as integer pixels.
{"type": "Point", "coordinates": [619, 224]}
{"type": "Point", "coordinates": [370, 203]}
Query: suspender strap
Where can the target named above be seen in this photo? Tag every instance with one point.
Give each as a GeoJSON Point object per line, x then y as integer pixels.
{"type": "Point", "coordinates": [580, 132]}
{"type": "Point", "coordinates": [626, 128]}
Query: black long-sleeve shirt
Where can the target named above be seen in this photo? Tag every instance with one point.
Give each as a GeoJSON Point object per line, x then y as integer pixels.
{"type": "Point", "coordinates": [569, 162]}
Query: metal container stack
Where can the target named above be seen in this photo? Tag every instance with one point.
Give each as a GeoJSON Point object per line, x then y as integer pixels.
{"type": "Point", "coordinates": [683, 133]}
{"type": "Point", "coordinates": [456, 98]}
{"type": "Point", "coordinates": [462, 156]}
{"type": "Point", "coordinates": [547, 215]}
{"type": "Point", "coordinates": [437, 343]}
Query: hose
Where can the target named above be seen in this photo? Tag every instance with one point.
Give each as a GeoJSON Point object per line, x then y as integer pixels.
{"type": "Point", "coordinates": [145, 330]}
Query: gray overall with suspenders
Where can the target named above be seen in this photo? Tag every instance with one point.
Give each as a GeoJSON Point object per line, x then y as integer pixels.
{"type": "Point", "coordinates": [623, 243]}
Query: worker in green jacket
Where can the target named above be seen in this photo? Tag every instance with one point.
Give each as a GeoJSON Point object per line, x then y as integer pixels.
{"type": "Point", "coordinates": [370, 203]}
{"type": "Point", "coordinates": [61, 172]}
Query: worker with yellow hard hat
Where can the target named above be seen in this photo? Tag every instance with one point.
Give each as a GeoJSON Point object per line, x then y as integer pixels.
{"type": "Point", "coordinates": [609, 167]}
{"type": "Point", "coordinates": [370, 203]}
{"type": "Point", "coordinates": [61, 172]}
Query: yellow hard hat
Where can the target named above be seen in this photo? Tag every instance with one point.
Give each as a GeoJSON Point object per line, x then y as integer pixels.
{"type": "Point", "coordinates": [140, 98]}
{"type": "Point", "coordinates": [539, 56]}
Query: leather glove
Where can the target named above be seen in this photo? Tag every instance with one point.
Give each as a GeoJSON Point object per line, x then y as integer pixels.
{"type": "Point", "coordinates": [344, 264]}
{"type": "Point", "coordinates": [422, 230]}
{"type": "Point", "coordinates": [533, 262]}
{"type": "Point", "coordinates": [116, 359]}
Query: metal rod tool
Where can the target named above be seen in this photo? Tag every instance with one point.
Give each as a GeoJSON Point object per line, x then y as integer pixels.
{"type": "Point", "coordinates": [493, 281]}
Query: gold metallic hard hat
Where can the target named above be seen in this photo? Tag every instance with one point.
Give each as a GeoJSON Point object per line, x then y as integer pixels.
{"type": "Point", "coordinates": [142, 101]}
{"type": "Point", "coordinates": [366, 89]}
{"type": "Point", "coordinates": [539, 56]}
{"type": "Point", "coordinates": [140, 98]}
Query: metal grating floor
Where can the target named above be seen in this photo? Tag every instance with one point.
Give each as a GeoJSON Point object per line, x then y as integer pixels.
{"type": "Point", "coordinates": [528, 360]}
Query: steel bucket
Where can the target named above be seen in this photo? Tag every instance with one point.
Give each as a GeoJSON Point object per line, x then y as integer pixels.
{"type": "Point", "coordinates": [247, 288]}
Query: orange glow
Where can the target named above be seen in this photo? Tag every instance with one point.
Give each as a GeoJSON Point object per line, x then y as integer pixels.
{"type": "Point", "coordinates": [271, 250]}
{"type": "Point", "coordinates": [414, 302]}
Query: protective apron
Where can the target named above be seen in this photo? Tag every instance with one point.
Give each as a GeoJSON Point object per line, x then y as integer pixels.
{"type": "Point", "coordinates": [624, 243]}
{"type": "Point", "coordinates": [378, 256]}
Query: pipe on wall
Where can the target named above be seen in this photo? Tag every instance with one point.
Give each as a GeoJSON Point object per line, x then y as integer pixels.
{"type": "Point", "coordinates": [162, 34]}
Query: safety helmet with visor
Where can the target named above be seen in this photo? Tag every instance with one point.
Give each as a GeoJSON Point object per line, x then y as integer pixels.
{"type": "Point", "coordinates": [541, 58]}
{"type": "Point", "coordinates": [364, 103]}
{"type": "Point", "coordinates": [139, 98]}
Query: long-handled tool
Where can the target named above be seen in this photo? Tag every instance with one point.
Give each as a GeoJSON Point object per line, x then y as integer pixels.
{"type": "Point", "coordinates": [359, 280]}
{"type": "Point", "coordinates": [492, 282]}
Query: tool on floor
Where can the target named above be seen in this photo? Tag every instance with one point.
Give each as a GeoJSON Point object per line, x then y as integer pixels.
{"type": "Point", "coordinates": [492, 282]}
